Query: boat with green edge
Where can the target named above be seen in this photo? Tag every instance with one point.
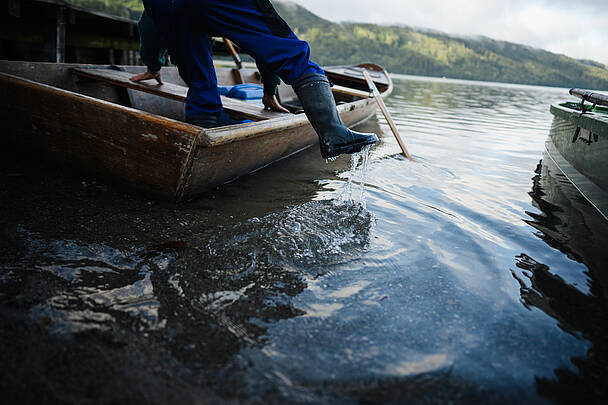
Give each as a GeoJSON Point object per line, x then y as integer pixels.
{"type": "Point", "coordinates": [578, 145]}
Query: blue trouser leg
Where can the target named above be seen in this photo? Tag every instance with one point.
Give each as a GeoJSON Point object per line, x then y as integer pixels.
{"type": "Point", "coordinates": [190, 49]}
{"type": "Point", "coordinates": [198, 71]}
{"type": "Point", "coordinates": [244, 24]}
{"type": "Point", "coordinates": [187, 24]}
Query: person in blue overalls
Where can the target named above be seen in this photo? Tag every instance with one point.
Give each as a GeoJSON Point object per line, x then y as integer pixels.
{"type": "Point", "coordinates": [185, 27]}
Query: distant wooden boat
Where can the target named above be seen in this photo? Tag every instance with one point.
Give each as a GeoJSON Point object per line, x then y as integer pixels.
{"type": "Point", "coordinates": [93, 118]}
{"type": "Point", "coordinates": [578, 145]}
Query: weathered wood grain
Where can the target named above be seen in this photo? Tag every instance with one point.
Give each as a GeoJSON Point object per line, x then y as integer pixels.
{"type": "Point", "coordinates": [141, 150]}
{"type": "Point", "coordinates": [225, 154]}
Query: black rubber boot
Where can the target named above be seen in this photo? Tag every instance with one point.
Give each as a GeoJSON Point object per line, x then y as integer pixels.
{"type": "Point", "coordinates": [203, 120]}
{"type": "Point", "coordinates": [319, 105]}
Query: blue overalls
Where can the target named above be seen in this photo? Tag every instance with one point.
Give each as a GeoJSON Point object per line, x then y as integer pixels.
{"type": "Point", "coordinates": [187, 25]}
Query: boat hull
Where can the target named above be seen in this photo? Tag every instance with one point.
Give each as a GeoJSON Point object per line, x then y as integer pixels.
{"type": "Point", "coordinates": [578, 146]}
{"type": "Point", "coordinates": [98, 137]}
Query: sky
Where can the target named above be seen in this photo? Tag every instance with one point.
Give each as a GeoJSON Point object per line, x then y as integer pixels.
{"type": "Point", "coordinates": [577, 28]}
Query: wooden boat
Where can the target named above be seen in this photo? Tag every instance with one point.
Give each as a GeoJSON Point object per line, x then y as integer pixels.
{"type": "Point", "coordinates": [578, 145]}
{"type": "Point", "coordinates": [93, 118]}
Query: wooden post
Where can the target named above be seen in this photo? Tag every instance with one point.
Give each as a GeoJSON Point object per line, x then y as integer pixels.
{"type": "Point", "coordinates": [72, 17]}
{"type": "Point", "coordinates": [111, 57]}
{"type": "Point", "coordinates": [14, 8]}
{"type": "Point", "coordinates": [60, 35]}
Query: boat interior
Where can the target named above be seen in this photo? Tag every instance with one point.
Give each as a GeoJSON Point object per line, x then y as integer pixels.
{"type": "Point", "coordinates": [112, 84]}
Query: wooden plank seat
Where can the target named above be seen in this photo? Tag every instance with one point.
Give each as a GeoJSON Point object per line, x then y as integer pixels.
{"type": "Point", "coordinates": [236, 108]}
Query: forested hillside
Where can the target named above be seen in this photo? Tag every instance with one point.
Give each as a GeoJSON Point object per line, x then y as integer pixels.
{"type": "Point", "coordinates": [406, 50]}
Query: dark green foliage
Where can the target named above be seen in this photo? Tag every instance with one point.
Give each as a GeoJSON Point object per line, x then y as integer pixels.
{"type": "Point", "coordinates": [405, 50]}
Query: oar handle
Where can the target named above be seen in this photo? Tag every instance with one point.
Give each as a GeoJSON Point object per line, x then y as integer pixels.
{"type": "Point", "coordinates": [590, 96]}
{"type": "Point", "coordinates": [386, 114]}
{"type": "Point", "coordinates": [235, 55]}
{"type": "Point", "coordinates": [238, 77]}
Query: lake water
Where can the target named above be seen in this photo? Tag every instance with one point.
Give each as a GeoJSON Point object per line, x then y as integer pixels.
{"type": "Point", "coordinates": [473, 275]}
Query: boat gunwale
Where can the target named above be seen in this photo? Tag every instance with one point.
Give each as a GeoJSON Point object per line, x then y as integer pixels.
{"type": "Point", "coordinates": [131, 110]}
{"type": "Point", "coordinates": [238, 132]}
{"type": "Point", "coordinates": [596, 123]}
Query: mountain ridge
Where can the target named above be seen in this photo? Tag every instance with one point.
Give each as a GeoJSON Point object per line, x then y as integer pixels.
{"type": "Point", "coordinates": [418, 51]}
{"type": "Point", "coordinates": [415, 51]}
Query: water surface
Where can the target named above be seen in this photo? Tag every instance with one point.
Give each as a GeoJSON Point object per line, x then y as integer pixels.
{"type": "Point", "coordinates": [473, 275]}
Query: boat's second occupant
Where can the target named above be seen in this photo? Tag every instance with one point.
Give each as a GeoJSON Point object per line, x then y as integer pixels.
{"type": "Point", "coordinates": [184, 28]}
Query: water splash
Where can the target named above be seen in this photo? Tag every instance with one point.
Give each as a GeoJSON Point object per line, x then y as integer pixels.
{"type": "Point", "coordinates": [246, 275]}
{"type": "Point", "coordinates": [356, 174]}
{"type": "Point", "coordinates": [363, 177]}
{"type": "Point", "coordinates": [311, 234]}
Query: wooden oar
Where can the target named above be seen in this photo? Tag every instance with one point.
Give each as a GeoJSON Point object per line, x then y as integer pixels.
{"type": "Point", "coordinates": [237, 61]}
{"type": "Point", "coordinates": [382, 106]}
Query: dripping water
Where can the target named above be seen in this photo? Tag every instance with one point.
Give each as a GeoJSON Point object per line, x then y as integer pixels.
{"type": "Point", "coordinates": [359, 163]}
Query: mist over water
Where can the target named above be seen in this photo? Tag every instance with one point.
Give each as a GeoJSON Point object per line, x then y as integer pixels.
{"type": "Point", "coordinates": [460, 277]}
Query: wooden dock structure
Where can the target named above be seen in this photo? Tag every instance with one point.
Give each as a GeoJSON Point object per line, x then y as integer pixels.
{"type": "Point", "coordinates": [61, 32]}
{"type": "Point", "coordinates": [57, 31]}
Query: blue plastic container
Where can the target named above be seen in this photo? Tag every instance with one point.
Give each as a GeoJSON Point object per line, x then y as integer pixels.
{"type": "Point", "coordinates": [248, 92]}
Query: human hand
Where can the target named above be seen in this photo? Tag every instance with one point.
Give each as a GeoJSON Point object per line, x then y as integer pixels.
{"type": "Point", "coordinates": [271, 103]}
{"type": "Point", "coordinates": [147, 76]}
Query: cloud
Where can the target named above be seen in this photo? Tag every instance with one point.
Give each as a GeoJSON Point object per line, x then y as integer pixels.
{"type": "Point", "coordinates": [576, 29]}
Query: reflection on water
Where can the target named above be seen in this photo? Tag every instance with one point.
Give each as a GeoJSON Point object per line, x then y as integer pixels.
{"type": "Point", "coordinates": [105, 282]}
{"type": "Point", "coordinates": [569, 223]}
{"type": "Point", "coordinates": [375, 280]}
